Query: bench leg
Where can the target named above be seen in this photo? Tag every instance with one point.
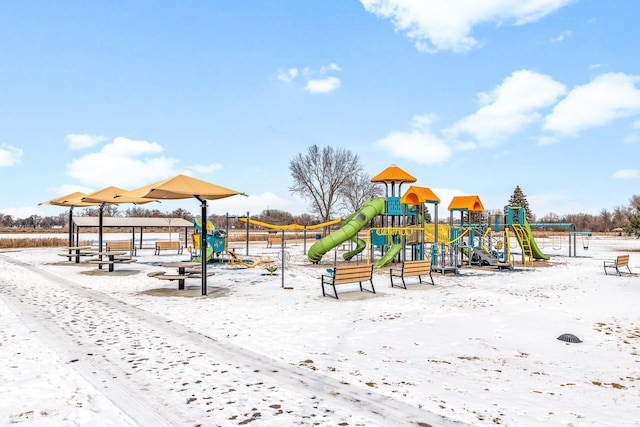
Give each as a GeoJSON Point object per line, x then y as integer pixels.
{"type": "Point", "coordinates": [391, 278]}
{"type": "Point", "coordinates": [373, 290]}
{"type": "Point", "coordinates": [324, 293]}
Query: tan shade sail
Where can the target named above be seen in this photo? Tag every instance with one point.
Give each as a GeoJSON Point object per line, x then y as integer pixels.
{"type": "Point", "coordinates": [184, 187]}
{"type": "Point", "coordinates": [73, 199]}
{"type": "Point", "coordinates": [181, 187]}
{"type": "Point", "coordinates": [109, 194]}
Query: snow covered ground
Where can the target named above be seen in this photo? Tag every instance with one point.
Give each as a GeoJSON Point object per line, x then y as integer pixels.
{"type": "Point", "coordinates": [81, 346]}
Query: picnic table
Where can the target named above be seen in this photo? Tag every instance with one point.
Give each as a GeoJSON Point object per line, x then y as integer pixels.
{"type": "Point", "coordinates": [78, 250]}
{"type": "Point", "coordinates": [186, 270]}
{"type": "Point", "coordinates": [112, 259]}
{"type": "Point", "coordinates": [182, 267]}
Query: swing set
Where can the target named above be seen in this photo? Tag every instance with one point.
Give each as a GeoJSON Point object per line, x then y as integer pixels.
{"type": "Point", "coordinates": [557, 241]}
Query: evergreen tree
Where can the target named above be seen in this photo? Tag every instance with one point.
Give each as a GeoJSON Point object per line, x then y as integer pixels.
{"type": "Point", "coordinates": [519, 199]}
{"type": "Point", "coordinates": [633, 224]}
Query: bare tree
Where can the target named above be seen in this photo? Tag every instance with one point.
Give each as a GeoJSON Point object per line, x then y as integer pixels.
{"type": "Point", "coordinates": [319, 175]}
{"type": "Point", "coordinates": [605, 220]}
{"type": "Point", "coordinates": [358, 189]}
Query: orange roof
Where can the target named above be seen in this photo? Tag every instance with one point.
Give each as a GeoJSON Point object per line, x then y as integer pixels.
{"type": "Point", "coordinates": [418, 195]}
{"type": "Point", "coordinates": [468, 203]}
{"type": "Point", "coordinates": [393, 174]}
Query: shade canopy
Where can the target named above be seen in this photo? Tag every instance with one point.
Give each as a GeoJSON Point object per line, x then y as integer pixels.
{"type": "Point", "coordinates": [70, 200]}
{"type": "Point", "coordinates": [109, 194]}
{"type": "Point", "coordinates": [181, 187]}
{"type": "Point", "coordinates": [184, 187]}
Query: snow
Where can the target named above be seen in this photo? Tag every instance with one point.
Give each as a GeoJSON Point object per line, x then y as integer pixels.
{"type": "Point", "coordinates": [82, 346]}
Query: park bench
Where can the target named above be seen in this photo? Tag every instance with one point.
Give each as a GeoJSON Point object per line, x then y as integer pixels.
{"type": "Point", "coordinates": [174, 245]}
{"type": "Point", "coordinates": [126, 245]}
{"type": "Point", "coordinates": [275, 241]}
{"type": "Point", "coordinates": [352, 273]}
{"type": "Point", "coordinates": [411, 268]}
{"type": "Point", "coordinates": [620, 261]}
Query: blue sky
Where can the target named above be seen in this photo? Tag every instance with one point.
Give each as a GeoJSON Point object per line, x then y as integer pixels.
{"type": "Point", "coordinates": [469, 97]}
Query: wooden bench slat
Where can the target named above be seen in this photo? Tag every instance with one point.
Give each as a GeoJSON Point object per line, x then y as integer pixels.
{"type": "Point", "coordinates": [118, 245]}
{"type": "Point", "coordinates": [175, 245]}
{"type": "Point", "coordinates": [620, 261]}
{"type": "Point", "coordinates": [417, 268]}
{"type": "Point", "coordinates": [348, 274]}
{"type": "Point", "coordinates": [275, 241]}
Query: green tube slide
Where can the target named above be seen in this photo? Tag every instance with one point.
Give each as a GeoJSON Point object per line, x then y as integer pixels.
{"type": "Point", "coordinates": [360, 245]}
{"type": "Point", "coordinates": [535, 250]}
{"type": "Point", "coordinates": [349, 230]}
{"type": "Point", "coordinates": [390, 255]}
{"type": "Point", "coordinates": [209, 254]}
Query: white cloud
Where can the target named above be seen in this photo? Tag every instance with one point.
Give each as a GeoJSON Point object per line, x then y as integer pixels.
{"type": "Point", "coordinates": [78, 141]}
{"type": "Point", "coordinates": [199, 169]}
{"type": "Point", "coordinates": [636, 124]}
{"type": "Point", "coordinates": [510, 107]}
{"type": "Point", "coordinates": [328, 68]}
{"type": "Point", "coordinates": [626, 174]}
{"type": "Point", "coordinates": [560, 37]}
{"type": "Point", "coordinates": [546, 140]}
{"type": "Point", "coordinates": [437, 25]}
{"type": "Point", "coordinates": [10, 155]}
{"type": "Point", "coordinates": [606, 98]}
{"type": "Point", "coordinates": [20, 212]}
{"type": "Point", "coordinates": [419, 145]}
{"type": "Point", "coordinates": [446, 195]}
{"type": "Point", "coordinates": [129, 147]}
{"type": "Point", "coordinates": [288, 76]}
{"type": "Point", "coordinates": [124, 163]}
{"type": "Point", "coordinates": [317, 81]}
{"type": "Point", "coordinates": [326, 85]}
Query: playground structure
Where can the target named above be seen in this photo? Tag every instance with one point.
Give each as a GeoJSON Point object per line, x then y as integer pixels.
{"type": "Point", "coordinates": [216, 241]}
{"type": "Point", "coordinates": [399, 231]}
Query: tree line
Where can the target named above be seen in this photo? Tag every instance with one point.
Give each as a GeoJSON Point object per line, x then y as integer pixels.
{"type": "Point", "coordinates": [334, 183]}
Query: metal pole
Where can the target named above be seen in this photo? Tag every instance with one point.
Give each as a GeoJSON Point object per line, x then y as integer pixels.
{"type": "Point", "coordinates": [247, 233]}
{"type": "Point", "coordinates": [282, 257]}
{"type": "Point", "coordinates": [203, 244]}
{"type": "Point", "coordinates": [70, 227]}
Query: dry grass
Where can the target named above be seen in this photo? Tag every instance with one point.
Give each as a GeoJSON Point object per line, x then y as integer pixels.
{"type": "Point", "coordinates": [39, 242]}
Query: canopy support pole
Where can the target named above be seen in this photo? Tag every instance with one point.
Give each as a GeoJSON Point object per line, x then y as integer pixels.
{"type": "Point", "coordinates": [203, 243]}
{"type": "Point", "coordinates": [70, 227]}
